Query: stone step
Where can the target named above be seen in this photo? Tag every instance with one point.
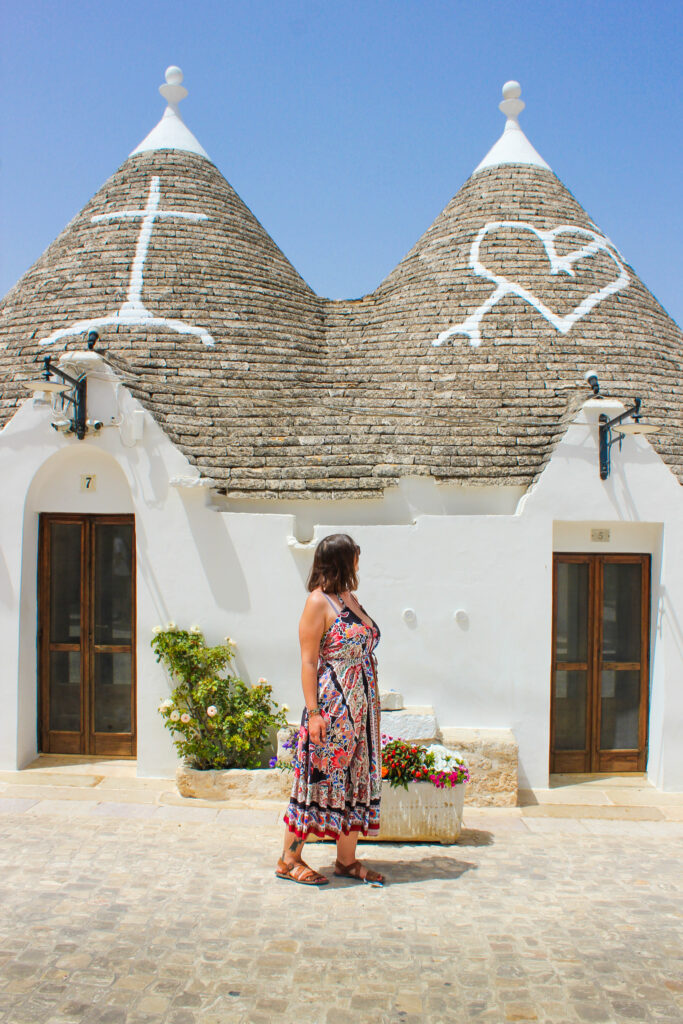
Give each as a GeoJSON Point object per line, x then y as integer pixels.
{"type": "Point", "coordinates": [412, 722]}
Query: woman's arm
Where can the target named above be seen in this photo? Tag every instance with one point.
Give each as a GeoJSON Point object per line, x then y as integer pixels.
{"type": "Point", "coordinates": [378, 701]}
{"type": "Point", "coordinates": [311, 629]}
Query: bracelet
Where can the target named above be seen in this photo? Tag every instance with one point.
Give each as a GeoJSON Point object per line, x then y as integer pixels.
{"type": "Point", "coordinates": [314, 711]}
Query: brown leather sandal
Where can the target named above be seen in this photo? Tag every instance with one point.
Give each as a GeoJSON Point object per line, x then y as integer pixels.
{"type": "Point", "coordinates": [299, 872]}
{"type": "Point", "coordinates": [354, 870]}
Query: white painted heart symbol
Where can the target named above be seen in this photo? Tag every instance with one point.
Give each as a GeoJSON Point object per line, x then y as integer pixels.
{"type": "Point", "coordinates": [558, 265]}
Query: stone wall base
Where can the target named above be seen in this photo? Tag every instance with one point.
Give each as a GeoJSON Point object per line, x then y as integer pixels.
{"type": "Point", "coordinates": [492, 757]}
{"type": "Point", "coordinates": [240, 783]}
{"type": "Point", "coordinates": [490, 753]}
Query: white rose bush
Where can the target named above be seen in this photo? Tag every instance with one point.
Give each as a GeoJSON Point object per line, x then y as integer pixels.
{"type": "Point", "coordinates": [215, 719]}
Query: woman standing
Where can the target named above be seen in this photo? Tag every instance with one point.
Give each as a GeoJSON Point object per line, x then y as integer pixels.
{"type": "Point", "coordinates": [337, 763]}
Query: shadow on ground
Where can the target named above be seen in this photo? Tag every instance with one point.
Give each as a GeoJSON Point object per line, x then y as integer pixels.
{"type": "Point", "coordinates": [430, 867]}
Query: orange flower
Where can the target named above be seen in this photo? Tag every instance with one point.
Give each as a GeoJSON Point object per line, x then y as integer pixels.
{"type": "Point", "coordinates": [385, 771]}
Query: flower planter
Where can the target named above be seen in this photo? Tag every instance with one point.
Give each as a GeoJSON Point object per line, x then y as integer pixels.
{"type": "Point", "coordinates": [422, 813]}
{"type": "Point", "coordinates": [231, 783]}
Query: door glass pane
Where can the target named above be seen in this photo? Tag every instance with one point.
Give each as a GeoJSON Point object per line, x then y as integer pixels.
{"type": "Point", "coordinates": [570, 710]}
{"type": "Point", "coordinates": [621, 612]}
{"type": "Point", "coordinates": [65, 691]}
{"type": "Point", "coordinates": [65, 583]}
{"type": "Point", "coordinates": [113, 684]}
{"type": "Point", "coordinates": [571, 642]}
{"type": "Point", "coordinates": [113, 584]}
{"type": "Point", "coordinates": [620, 706]}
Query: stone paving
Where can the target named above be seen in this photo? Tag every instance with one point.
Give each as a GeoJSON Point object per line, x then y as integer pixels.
{"type": "Point", "coordinates": [124, 912]}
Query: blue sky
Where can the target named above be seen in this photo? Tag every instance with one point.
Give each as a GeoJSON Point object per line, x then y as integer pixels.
{"type": "Point", "coordinates": [346, 127]}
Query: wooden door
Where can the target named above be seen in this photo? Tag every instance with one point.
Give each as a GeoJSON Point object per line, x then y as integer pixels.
{"type": "Point", "coordinates": [86, 634]}
{"type": "Point", "coordinates": [600, 669]}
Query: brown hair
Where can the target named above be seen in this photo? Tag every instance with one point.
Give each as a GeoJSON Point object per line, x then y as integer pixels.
{"type": "Point", "coordinates": [333, 566]}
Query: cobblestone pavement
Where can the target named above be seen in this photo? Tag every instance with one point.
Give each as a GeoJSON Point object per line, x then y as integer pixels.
{"type": "Point", "coordinates": [111, 917]}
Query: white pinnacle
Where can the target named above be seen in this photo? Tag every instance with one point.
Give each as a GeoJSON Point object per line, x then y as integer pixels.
{"type": "Point", "coordinates": [512, 147]}
{"type": "Point", "coordinates": [171, 132]}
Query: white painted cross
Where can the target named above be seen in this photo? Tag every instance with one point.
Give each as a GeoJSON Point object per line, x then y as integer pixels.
{"type": "Point", "coordinates": [133, 312]}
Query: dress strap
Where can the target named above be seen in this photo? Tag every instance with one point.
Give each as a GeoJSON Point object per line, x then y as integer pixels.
{"type": "Point", "coordinates": [334, 607]}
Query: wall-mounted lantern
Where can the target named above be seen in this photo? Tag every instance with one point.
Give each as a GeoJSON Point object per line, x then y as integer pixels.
{"type": "Point", "coordinates": [616, 424]}
{"type": "Point", "coordinates": [72, 389]}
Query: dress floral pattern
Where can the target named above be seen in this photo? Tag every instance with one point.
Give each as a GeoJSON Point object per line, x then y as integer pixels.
{"type": "Point", "coordinates": [337, 783]}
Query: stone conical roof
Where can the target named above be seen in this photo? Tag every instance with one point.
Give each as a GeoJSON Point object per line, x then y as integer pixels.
{"type": "Point", "coordinates": [462, 365]}
{"type": "Point", "coordinates": [218, 334]}
{"type": "Point", "coordinates": [466, 363]}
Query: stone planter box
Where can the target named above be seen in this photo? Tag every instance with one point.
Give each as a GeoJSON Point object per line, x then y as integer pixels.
{"type": "Point", "coordinates": [423, 813]}
{"type": "Point", "coordinates": [234, 783]}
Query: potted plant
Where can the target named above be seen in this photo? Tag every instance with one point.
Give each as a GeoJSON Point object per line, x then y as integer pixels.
{"type": "Point", "coordinates": [221, 727]}
{"type": "Point", "coordinates": [423, 791]}
{"type": "Point", "coordinates": [423, 788]}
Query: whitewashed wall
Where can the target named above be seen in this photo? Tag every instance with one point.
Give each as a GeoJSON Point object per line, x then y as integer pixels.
{"type": "Point", "coordinates": [642, 504]}
{"type": "Point", "coordinates": [427, 548]}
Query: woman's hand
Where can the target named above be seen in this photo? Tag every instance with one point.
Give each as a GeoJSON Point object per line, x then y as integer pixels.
{"type": "Point", "coordinates": [317, 729]}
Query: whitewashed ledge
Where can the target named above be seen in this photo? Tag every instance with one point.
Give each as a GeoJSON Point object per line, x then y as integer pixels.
{"type": "Point", "coordinates": [422, 813]}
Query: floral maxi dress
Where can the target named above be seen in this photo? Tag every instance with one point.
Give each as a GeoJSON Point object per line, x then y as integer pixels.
{"type": "Point", "coordinates": [337, 783]}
